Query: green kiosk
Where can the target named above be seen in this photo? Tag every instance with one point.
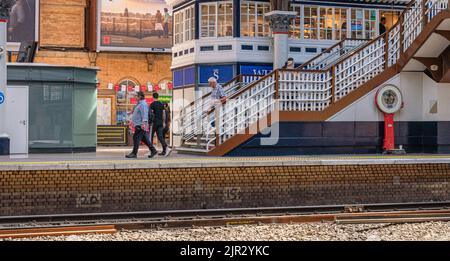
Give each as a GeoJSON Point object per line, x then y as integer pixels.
{"type": "Point", "coordinates": [51, 109]}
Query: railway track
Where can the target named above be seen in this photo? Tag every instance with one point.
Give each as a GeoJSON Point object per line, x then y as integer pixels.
{"type": "Point", "coordinates": [75, 224]}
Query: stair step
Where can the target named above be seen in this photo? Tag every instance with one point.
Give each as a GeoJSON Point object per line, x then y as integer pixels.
{"type": "Point", "coordinates": [195, 144]}
{"type": "Point", "coordinates": [187, 150]}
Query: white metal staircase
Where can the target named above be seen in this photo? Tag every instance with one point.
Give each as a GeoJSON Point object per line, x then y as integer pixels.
{"type": "Point", "coordinates": [308, 91]}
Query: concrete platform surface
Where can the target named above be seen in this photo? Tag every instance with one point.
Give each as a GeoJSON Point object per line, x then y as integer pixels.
{"type": "Point", "coordinates": [114, 158]}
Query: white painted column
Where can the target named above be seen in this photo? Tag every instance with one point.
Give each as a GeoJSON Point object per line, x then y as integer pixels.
{"type": "Point", "coordinates": [279, 24]}
{"type": "Point", "coordinates": [3, 58]}
{"type": "Point", "coordinates": [280, 49]}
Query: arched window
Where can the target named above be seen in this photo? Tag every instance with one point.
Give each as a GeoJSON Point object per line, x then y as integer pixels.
{"type": "Point", "coordinates": [125, 98]}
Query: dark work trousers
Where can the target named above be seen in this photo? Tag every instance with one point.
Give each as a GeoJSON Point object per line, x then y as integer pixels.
{"type": "Point", "coordinates": [158, 129]}
{"type": "Point", "coordinates": [141, 135]}
{"type": "Point", "coordinates": [165, 131]}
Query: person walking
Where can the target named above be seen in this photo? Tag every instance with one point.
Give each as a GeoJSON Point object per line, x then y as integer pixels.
{"type": "Point", "coordinates": [218, 97]}
{"type": "Point", "coordinates": [166, 119]}
{"type": "Point", "coordinates": [157, 124]}
{"type": "Point", "coordinates": [382, 25]}
{"type": "Point", "coordinates": [139, 120]}
{"type": "Point", "coordinates": [289, 64]}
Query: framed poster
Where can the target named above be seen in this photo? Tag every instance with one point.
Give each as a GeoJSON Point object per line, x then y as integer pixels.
{"type": "Point", "coordinates": [134, 25]}
{"type": "Point", "coordinates": [105, 110]}
{"type": "Point", "coordinates": [23, 23]}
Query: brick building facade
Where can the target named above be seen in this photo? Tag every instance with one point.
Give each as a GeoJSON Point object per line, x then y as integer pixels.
{"type": "Point", "coordinates": [67, 36]}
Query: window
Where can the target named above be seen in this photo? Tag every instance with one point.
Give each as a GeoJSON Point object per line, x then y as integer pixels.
{"type": "Point", "coordinates": [357, 23]}
{"type": "Point", "coordinates": [391, 17]}
{"type": "Point", "coordinates": [124, 98]}
{"type": "Point", "coordinates": [184, 29]}
{"type": "Point", "coordinates": [326, 23]}
{"type": "Point", "coordinates": [262, 27]}
{"type": "Point", "coordinates": [337, 23]}
{"type": "Point", "coordinates": [370, 24]}
{"type": "Point", "coordinates": [225, 20]}
{"type": "Point", "coordinates": [189, 27]}
{"type": "Point", "coordinates": [253, 23]}
{"type": "Point", "coordinates": [206, 48]}
{"type": "Point", "coordinates": [296, 24]}
{"type": "Point", "coordinates": [340, 23]}
{"type": "Point", "coordinates": [208, 20]}
{"type": "Point", "coordinates": [178, 17]}
{"type": "Point", "coordinates": [216, 20]}
{"type": "Point", "coordinates": [311, 22]}
{"type": "Point", "coordinates": [225, 47]}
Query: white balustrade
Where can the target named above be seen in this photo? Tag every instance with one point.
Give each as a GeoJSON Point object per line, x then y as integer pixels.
{"type": "Point", "coordinates": [412, 23]}
{"type": "Point", "coordinates": [326, 59]}
{"type": "Point", "coordinates": [304, 90]}
{"type": "Point", "coordinates": [434, 7]}
{"type": "Point", "coordinates": [394, 45]}
{"type": "Point", "coordinates": [359, 68]}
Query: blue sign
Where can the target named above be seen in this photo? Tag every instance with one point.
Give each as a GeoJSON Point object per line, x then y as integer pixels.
{"type": "Point", "coordinates": [184, 77]}
{"type": "Point", "coordinates": [223, 73]}
{"type": "Point", "coordinates": [178, 80]}
{"type": "Point", "coordinates": [2, 98]}
{"type": "Point", "coordinates": [256, 69]}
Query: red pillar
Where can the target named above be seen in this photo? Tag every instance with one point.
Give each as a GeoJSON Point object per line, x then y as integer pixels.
{"type": "Point", "coordinates": [389, 137]}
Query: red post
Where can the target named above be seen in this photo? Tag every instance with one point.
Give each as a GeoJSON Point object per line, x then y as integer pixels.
{"type": "Point", "coordinates": [389, 137]}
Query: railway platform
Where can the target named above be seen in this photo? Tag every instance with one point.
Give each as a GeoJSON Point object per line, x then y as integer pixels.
{"type": "Point", "coordinates": [106, 182]}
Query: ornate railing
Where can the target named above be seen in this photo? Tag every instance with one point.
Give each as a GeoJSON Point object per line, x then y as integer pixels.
{"type": "Point", "coordinates": [304, 91]}
{"type": "Point", "coordinates": [332, 54]}
{"type": "Point", "coordinates": [192, 116]}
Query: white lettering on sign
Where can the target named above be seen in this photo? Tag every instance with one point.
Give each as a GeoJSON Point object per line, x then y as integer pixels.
{"type": "Point", "coordinates": [216, 73]}
{"type": "Point", "coordinates": [261, 72]}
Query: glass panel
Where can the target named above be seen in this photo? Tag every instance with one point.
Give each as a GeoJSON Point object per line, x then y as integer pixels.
{"type": "Point", "coordinates": [311, 22]}
{"type": "Point", "coordinates": [252, 19]}
{"type": "Point", "coordinates": [294, 31]}
{"type": "Point", "coordinates": [340, 23]}
{"type": "Point", "coordinates": [326, 23]}
{"type": "Point", "coordinates": [244, 20]}
{"type": "Point", "coordinates": [357, 23]}
{"type": "Point", "coordinates": [51, 116]}
{"type": "Point", "coordinates": [85, 117]}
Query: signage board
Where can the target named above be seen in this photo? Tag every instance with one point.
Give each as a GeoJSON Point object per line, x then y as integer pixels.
{"type": "Point", "coordinates": [256, 69]}
{"type": "Point", "coordinates": [134, 25]}
{"type": "Point", "coordinates": [223, 73]}
{"type": "Point", "coordinates": [22, 23]}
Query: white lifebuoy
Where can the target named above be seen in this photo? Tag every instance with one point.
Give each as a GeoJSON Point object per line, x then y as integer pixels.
{"type": "Point", "coordinates": [389, 99]}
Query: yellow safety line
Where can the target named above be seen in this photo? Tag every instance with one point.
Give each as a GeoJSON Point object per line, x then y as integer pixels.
{"type": "Point", "coordinates": [225, 159]}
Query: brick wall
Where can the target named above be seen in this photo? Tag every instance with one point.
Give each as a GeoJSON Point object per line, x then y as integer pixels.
{"type": "Point", "coordinates": [79, 191]}
{"type": "Point", "coordinates": [114, 66]}
{"type": "Point", "coordinates": [62, 26]}
{"type": "Point", "coordinates": [62, 23]}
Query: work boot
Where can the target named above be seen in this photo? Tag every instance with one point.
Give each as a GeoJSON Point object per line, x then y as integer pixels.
{"type": "Point", "coordinates": [131, 156]}
{"type": "Point", "coordinates": [152, 154]}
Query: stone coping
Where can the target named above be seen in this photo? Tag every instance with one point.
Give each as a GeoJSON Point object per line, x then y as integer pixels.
{"type": "Point", "coordinates": [209, 162]}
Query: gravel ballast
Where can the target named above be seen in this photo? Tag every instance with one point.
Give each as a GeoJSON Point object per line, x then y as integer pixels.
{"type": "Point", "coordinates": [285, 232]}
